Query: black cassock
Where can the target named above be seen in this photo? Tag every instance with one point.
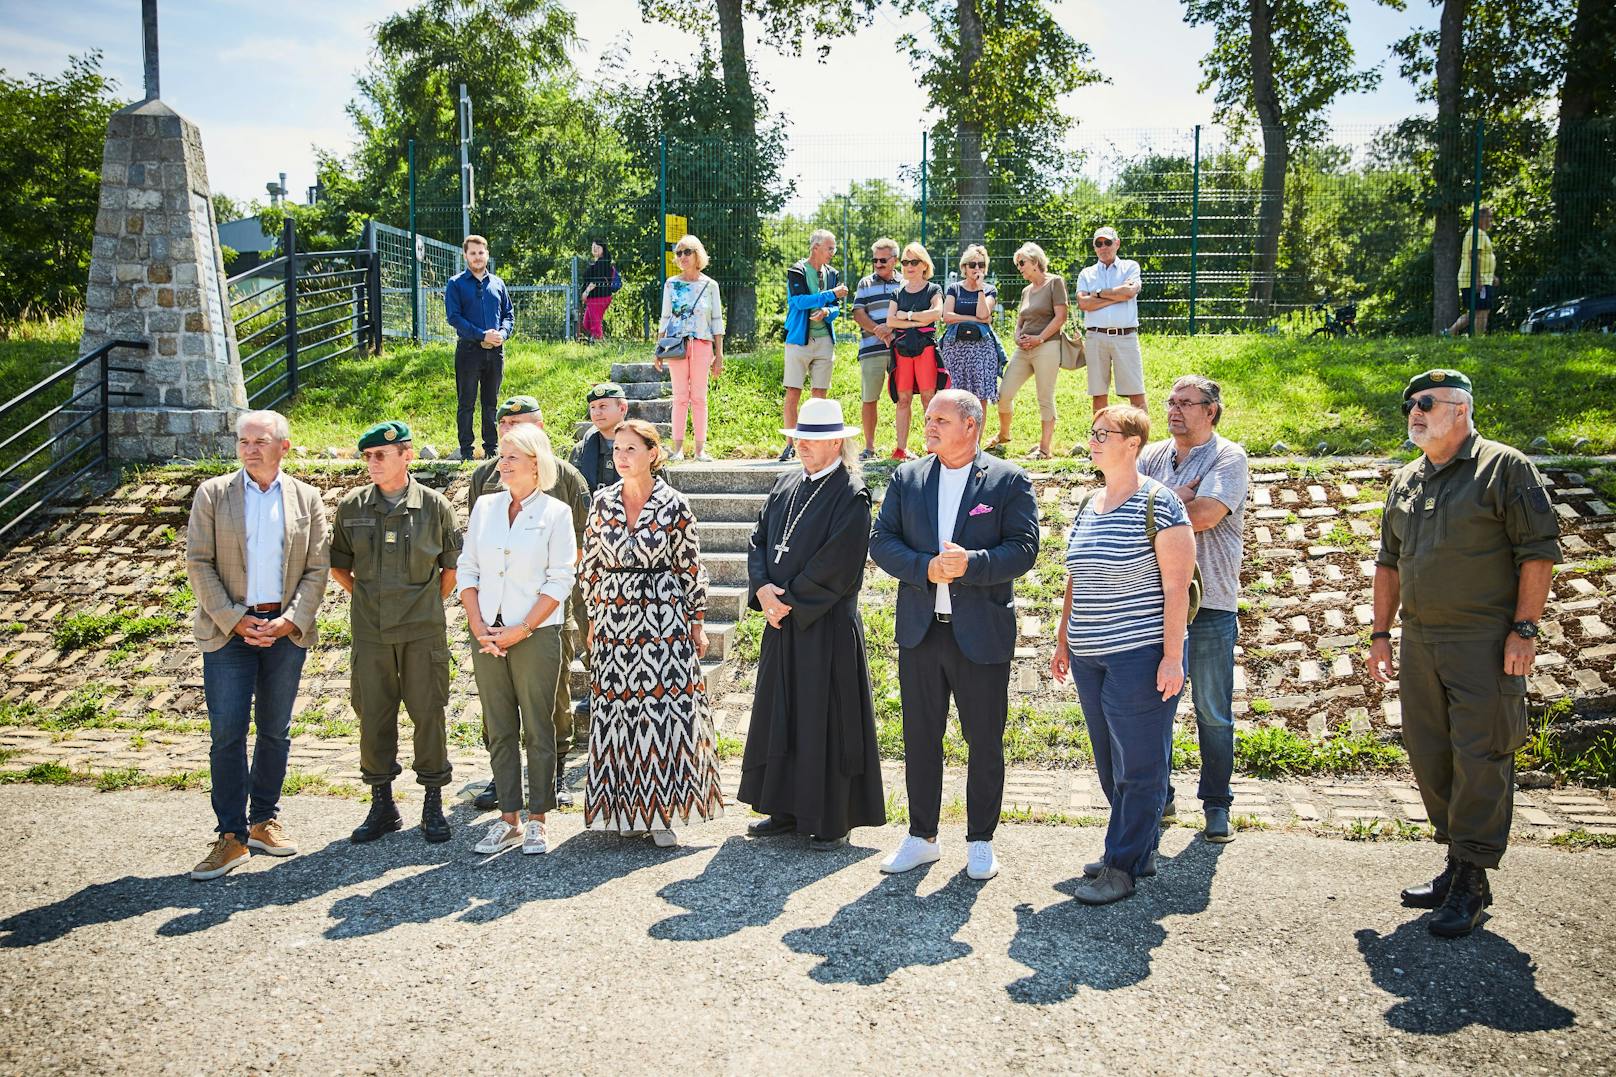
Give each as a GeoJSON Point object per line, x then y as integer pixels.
{"type": "Point", "coordinates": [811, 751]}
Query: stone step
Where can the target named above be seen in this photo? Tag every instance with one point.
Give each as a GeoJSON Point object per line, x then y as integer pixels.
{"type": "Point", "coordinates": [725, 537]}
{"type": "Point", "coordinates": [625, 373]}
{"type": "Point", "coordinates": [728, 569]}
{"type": "Point", "coordinates": [725, 603]}
{"type": "Point", "coordinates": [647, 390]}
{"type": "Point", "coordinates": [728, 477]}
{"type": "Point", "coordinates": [726, 508]}
{"type": "Point", "coordinates": [580, 429]}
{"type": "Point", "coordinates": [657, 411]}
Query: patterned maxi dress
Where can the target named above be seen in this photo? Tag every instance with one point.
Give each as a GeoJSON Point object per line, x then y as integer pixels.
{"type": "Point", "coordinates": [653, 761]}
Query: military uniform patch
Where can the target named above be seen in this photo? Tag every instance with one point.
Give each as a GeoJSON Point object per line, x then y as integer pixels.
{"type": "Point", "coordinates": [1538, 499]}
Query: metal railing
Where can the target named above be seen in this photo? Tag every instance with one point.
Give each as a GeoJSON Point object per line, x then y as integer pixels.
{"type": "Point", "coordinates": [51, 436]}
{"type": "Point", "coordinates": [303, 309]}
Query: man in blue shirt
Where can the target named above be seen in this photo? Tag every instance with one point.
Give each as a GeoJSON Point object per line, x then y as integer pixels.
{"type": "Point", "coordinates": [479, 307]}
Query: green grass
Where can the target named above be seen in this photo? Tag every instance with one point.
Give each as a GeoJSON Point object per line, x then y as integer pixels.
{"type": "Point", "coordinates": [729, 747]}
{"type": "Point", "coordinates": [1276, 752]}
{"type": "Point", "coordinates": [1596, 763]}
{"type": "Point", "coordinates": [88, 629]}
{"type": "Point", "coordinates": [1385, 830]}
{"type": "Point", "coordinates": [1579, 838]}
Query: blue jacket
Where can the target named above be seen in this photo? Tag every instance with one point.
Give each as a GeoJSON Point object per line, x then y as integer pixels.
{"type": "Point", "coordinates": [800, 302]}
{"type": "Point", "coordinates": [475, 306]}
{"type": "Point", "coordinates": [997, 522]}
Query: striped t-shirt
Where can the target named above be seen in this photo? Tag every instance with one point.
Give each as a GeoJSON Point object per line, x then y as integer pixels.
{"type": "Point", "coordinates": [1117, 600]}
{"type": "Point", "coordinates": [873, 296]}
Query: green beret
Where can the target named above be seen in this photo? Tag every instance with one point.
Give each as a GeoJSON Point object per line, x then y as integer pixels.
{"type": "Point", "coordinates": [1437, 379]}
{"type": "Point", "coordinates": [518, 405]}
{"type": "Point", "coordinates": [392, 432]}
{"type": "Point", "coordinates": [605, 390]}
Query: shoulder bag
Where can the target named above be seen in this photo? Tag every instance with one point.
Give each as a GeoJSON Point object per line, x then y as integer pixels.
{"type": "Point", "coordinates": [673, 347]}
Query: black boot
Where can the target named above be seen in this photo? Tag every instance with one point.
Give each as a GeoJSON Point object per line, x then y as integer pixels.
{"type": "Point", "coordinates": [434, 827]}
{"type": "Point", "coordinates": [488, 799]}
{"type": "Point", "coordinates": [1431, 895]}
{"type": "Point", "coordinates": [1468, 897]}
{"type": "Point", "coordinates": [563, 798]}
{"type": "Point", "coordinates": [382, 817]}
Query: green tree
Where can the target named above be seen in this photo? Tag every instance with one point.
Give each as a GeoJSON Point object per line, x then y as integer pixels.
{"type": "Point", "coordinates": [1584, 188]}
{"type": "Point", "coordinates": [52, 129]}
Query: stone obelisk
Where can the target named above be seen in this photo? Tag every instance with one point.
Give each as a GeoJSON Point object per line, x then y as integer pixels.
{"type": "Point", "coordinates": [157, 274]}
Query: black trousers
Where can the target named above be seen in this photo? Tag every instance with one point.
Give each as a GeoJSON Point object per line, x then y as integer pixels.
{"type": "Point", "coordinates": [928, 674]}
{"type": "Point", "coordinates": [477, 368]}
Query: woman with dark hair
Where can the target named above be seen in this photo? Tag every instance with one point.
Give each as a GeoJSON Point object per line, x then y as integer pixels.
{"type": "Point", "coordinates": [597, 291]}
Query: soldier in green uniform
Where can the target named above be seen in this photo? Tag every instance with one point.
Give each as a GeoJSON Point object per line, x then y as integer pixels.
{"type": "Point", "coordinates": [571, 490]}
{"type": "Point", "coordinates": [1468, 546]}
{"type": "Point", "coordinates": [394, 546]}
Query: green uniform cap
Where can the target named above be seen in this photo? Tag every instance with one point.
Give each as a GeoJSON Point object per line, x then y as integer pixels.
{"type": "Point", "coordinates": [1437, 379]}
{"type": "Point", "coordinates": [392, 432]}
{"type": "Point", "coordinates": [518, 405]}
{"type": "Point", "coordinates": [605, 390]}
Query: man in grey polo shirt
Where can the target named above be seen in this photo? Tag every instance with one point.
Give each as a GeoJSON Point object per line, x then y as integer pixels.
{"type": "Point", "coordinates": [870, 303]}
{"type": "Point", "coordinates": [1211, 476]}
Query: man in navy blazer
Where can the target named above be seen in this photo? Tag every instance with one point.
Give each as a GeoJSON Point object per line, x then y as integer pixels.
{"type": "Point", "coordinates": [957, 529]}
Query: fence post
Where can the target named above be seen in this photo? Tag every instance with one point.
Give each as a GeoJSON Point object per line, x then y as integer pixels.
{"type": "Point", "coordinates": [925, 149]}
{"type": "Point", "coordinates": [1195, 224]}
{"type": "Point", "coordinates": [1475, 229]}
{"type": "Point", "coordinates": [572, 294]}
{"type": "Point", "coordinates": [415, 261]}
{"type": "Point", "coordinates": [289, 246]}
{"type": "Point", "coordinates": [373, 287]}
{"type": "Point", "coordinates": [845, 237]}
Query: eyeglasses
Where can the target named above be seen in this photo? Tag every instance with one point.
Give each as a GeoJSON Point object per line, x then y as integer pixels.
{"type": "Point", "coordinates": [973, 265]}
{"type": "Point", "coordinates": [1100, 434]}
{"type": "Point", "coordinates": [1425, 403]}
{"type": "Point", "coordinates": [1103, 242]}
{"type": "Point", "coordinates": [680, 252]}
{"type": "Point", "coordinates": [911, 261]}
{"type": "Point", "coordinates": [1174, 402]}
{"type": "Point", "coordinates": [1020, 262]}
{"type": "Point", "coordinates": [881, 261]}
{"type": "Point", "coordinates": [369, 455]}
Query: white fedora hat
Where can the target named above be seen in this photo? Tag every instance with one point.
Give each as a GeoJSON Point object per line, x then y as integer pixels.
{"type": "Point", "coordinates": [821, 420]}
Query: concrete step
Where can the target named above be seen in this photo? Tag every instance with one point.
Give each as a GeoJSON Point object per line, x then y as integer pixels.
{"type": "Point", "coordinates": [580, 429]}
{"type": "Point", "coordinates": [725, 568]}
{"type": "Point", "coordinates": [726, 508]}
{"type": "Point", "coordinates": [657, 411]}
{"type": "Point", "coordinates": [647, 390]}
{"type": "Point", "coordinates": [624, 373]}
{"type": "Point", "coordinates": [721, 537]}
{"type": "Point", "coordinates": [725, 603]}
{"type": "Point", "coordinates": [728, 477]}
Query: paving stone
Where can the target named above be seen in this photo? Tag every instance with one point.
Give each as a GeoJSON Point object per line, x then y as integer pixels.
{"type": "Point", "coordinates": [1317, 726]}
{"type": "Point", "coordinates": [1342, 667]}
{"type": "Point", "coordinates": [1335, 618]}
{"type": "Point", "coordinates": [1357, 813]}
{"type": "Point", "coordinates": [1593, 627]}
{"type": "Point", "coordinates": [1534, 816]}
{"type": "Point", "coordinates": [1305, 811]}
{"type": "Point", "coordinates": [1317, 493]}
{"type": "Point", "coordinates": [1363, 613]}
{"type": "Point", "coordinates": [1393, 711]}
{"type": "Point", "coordinates": [1300, 625]}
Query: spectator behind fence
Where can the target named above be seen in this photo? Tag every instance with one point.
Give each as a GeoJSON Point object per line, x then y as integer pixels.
{"type": "Point", "coordinates": [1121, 638]}
{"type": "Point", "coordinates": [1039, 321]}
{"type": "Point", "coordinates": [813, 288]}
{"type": "Point", "coordinates": [870, 305]}
{"type": "Point", "coordinates": [1486, 265]}
{"type": "Point", "coordinates": [913, 314]}
{"type": "Point", "coordinates": [1107, 293]}
{"type": "Point", "coordinates": [478, 306]}
{"type": "Point", "coordinates": [515, 574]}
{"type": "Point", "coordinates": [691, 312]}
{"type": "Point", "coordinates": [971, 350]}
{"type": "Point", "coordinates": [600, 278]}
{"type": "Point", "coordinates": [256, 553]}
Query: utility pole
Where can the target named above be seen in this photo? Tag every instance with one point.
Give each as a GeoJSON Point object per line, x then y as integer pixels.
{"type": "Point", "coordinates": [465, 162]}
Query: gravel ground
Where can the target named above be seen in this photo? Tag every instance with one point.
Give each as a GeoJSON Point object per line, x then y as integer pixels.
{"type": "Point", "coordinates": [1280, 953]}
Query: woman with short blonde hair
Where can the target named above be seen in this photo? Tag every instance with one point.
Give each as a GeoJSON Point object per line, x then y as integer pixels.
{"type": "Point", "coordinates": [970, 348]}
{"type": "Point", "coordinates": [912, 315]}
{"type": "Point", "coordinates": [692, 313]}
{"type": "Point", "coordinates": [1040, 320]}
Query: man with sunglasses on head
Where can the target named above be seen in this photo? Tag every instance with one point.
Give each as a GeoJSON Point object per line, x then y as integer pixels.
{"type": "Point", "coordinates": [813, 290]}
{"type": "Point", "coordinates": [1468, 546]}
{"type": "Point", "coordinates": [1108, 296]}
{"type": "Point", "coordinates": [1211, 476]}
{"type": "Point", "coordinates": [870, 303]}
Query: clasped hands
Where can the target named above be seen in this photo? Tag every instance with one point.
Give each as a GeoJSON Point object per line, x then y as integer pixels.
{"type": "Point", "coordinates": [768, 597]}
{"type": "Point", "coordinates": [257, 632]}
{"type": "Point", "coordinates": [498, 641]}
{"type": "Point", "coordinates": [949, 564]}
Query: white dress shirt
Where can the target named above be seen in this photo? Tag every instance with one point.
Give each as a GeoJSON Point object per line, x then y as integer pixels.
{"type": "Point", "coordinates": [512, 563]}
{"type": "Point", "coordinates": [1097, 278]}
{"type": "Point", "coordinates": [265, 514]}
{"type": "Point", "coordinates": [950, 488]}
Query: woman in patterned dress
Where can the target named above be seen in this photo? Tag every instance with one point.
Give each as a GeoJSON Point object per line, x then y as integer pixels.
{"type": "Point", "coordinates": [652, 749]}
{"type": "Point", "coordinates": [972, 354]}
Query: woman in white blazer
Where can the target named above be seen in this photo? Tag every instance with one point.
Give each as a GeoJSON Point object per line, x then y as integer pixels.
{"type": "Point", "coordinates": [516, 573]}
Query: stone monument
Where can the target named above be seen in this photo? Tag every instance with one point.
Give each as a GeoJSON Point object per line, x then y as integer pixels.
{"type": "Point", "coordinates": [157, 274]}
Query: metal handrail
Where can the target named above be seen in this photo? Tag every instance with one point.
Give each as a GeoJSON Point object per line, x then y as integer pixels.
{"type": "Point", "coordinates": [72, 368]}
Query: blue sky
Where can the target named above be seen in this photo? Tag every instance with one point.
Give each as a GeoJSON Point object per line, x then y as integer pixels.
{"type": "Point", "coordinates": [265, 82]}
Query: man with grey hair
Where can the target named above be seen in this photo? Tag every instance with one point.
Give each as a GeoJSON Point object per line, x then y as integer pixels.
{"type": "Point", "coordinates": [257, 558]}
{"type": "Point", "coordinates": [1108, 296]}
{"type": "Point", "coordinates": [812, 289]}
{"type": "Point", "coordinates": [1211, 476]}
{"type": "Point", "coordinates": [957, 529]}
{"type": "Point", "coordinates": [870, 305]}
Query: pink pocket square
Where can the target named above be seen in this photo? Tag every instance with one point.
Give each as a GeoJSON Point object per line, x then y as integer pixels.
{"type": "Point", "coordinates": [981, 510]}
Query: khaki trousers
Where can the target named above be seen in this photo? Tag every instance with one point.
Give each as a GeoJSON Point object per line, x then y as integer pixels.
{"type": "Point", "coordinates": [518, 694]}
{"type": "Point", "coordinates": [416, 674]}
{"type": "Point", "coordinates": [1041, 364]}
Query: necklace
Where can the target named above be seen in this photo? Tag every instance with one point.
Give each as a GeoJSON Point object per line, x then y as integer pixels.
{"type": "Point", "coordinates": [781, 548]}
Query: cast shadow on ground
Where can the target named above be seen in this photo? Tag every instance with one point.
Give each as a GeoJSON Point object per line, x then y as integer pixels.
{"type": "Point", "coordinates": [890, 928]}
{"type": "Point", "coordinates": [746, 884]}
{"type": "Point", "coordinates": [1450, 984]}
{"type": "Point", "coordinates": [202, 905]}
{"type": "Point", "coordinates": [481, 889]}
{"type": "Point", "coordinates": [1071, 945]}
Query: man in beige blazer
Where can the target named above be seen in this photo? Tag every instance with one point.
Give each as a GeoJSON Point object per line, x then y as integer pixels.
{"type": "Point", "coordinates": [257, 555]}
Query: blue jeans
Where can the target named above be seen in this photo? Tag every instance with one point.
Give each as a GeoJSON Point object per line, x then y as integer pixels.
{"type": "Point", "coordinates": [1211, 671]}
{"type": "Point", "coordinates": [232, 677]}
{"type": "Point", "coordinates": [1131, 728]}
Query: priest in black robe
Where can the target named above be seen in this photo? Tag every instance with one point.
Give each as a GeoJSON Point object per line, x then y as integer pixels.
{"type": "Point", "coordinates": [811, 762]}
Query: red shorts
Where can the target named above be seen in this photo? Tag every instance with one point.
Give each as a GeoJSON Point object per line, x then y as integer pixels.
{"type": "Point", "coordinates": [917, 372]}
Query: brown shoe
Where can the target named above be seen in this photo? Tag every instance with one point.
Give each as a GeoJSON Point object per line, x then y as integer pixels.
{"type": "Point", "coordinates": [226, 855]}
{"type": "Point", "coordinates": [270, 837]}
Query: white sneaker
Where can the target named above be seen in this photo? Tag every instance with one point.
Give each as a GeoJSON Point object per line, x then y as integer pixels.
{"type": "Point", "coordinates": [980, 863]}
{"type": "Point", "coordinates": [665, 839]}
{"type": "Point", "coordinates": [702, 457]}
{"type": "Point", "coordinates": [533, 843]}
{"type": "Point", "coordinates": [911, 854]}
{"type": "Point", "coordinates": [501, 835]}
{"type": "Point", "coordinates": [676, 456]}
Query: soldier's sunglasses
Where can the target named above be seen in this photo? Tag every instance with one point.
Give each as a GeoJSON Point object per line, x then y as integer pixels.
{"type": "Point", "coordinates": [1425, 403]}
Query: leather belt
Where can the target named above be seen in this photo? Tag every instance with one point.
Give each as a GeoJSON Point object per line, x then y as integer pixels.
{"type": "Point", "coordinates": [1124, 331]}
{"type": "Point", "coordinates": [265, 609]}
{"type": "Point", "coordinates": [943, 618]}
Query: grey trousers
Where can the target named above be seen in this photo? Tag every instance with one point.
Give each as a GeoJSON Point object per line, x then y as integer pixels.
{"type": "Point", "coordinates": [518, 696]}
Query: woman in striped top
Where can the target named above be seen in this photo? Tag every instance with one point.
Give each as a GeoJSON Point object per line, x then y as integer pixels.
{"type": "Point", "coordinates": [1121, 639]}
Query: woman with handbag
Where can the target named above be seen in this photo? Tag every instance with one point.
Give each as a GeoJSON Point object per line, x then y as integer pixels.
{"type": "Point", "coordinates": [1039, 323]}
{"type": "Point", "coordinates": [972, 354]}
{"type": "Point", "coordinates": [691, 343]}
{"type": "Point", "coordinates": [913, 314]}
{"type": "Point", "coordinates": [1130, 560]}
{"type": "Point", "coordinates": [597, 294]}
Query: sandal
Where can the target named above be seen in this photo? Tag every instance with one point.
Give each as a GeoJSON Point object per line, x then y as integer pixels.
{"type": "Point", "coordinates": [1035, 454]}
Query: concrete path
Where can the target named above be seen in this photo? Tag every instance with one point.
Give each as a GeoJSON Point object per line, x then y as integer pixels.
{"type": "Point", "coordinates": [1280, 953]}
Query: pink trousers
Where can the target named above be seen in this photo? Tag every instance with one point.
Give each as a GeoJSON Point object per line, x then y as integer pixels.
{"type": "Point", "coordinates": [690, 389]}
{"type": "Point", "coordinates": [595, 315]}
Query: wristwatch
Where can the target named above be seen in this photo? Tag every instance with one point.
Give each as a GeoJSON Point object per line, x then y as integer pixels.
{"type": "Point", "coordinates": [1525, 629]}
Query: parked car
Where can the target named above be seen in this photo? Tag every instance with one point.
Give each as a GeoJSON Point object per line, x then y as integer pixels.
{"type": "Point", "coordinates": [1592, 313]}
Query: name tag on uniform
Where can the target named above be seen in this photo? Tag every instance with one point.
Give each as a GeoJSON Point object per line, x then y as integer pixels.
{"type": "Point", "coordinates": [391, 537]}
